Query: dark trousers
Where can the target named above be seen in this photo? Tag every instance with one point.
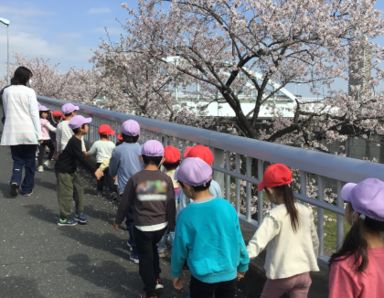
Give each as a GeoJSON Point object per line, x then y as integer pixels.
{"type": "Point", "coordinates": [105, 180]}
{"type": "Point", "coordinates": [199, 289]}
{"type": "Point", "coordinates": [24, 158]}
{"type": "Point", "coordinates": [149, 266]}
{"type": "Point", "coordinates": [51, 147]}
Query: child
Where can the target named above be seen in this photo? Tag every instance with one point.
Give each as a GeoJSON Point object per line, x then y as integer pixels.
{"type": "Point", "coordinates": [172, 158]}
{"type": "Point", "coordinates": [289, 235]}
{"type": "Point", "coordinates": [208, 237]}
{"type": "Point", "coordinates": [204, 153]}
{"type": "Point", "coordinates": [69, 185]}
{"type": "Point", "coordinates": [151, 196]}
{"type": "Point", "coordinates": [63, 131]}
{"type": "Point", "coordinates": [103, 150]}
{"type": "Point", "coordinates": [124, 163]}
{"type": "Point", "coordinates": [57, 116]}
{"type": "Point", "coordinates": [46, 127]}
{"type": "Point", "coordinates": [356, 270]}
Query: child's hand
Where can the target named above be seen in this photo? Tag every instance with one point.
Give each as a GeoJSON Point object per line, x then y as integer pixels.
{"type": "Point", "coordinates": [115, 226]}
{"type": "Point", "coordinates": [240, 275]}
{"type": "Point", "coordinates": [99, 174]}
{"type": "Point", "coordinates": [178, 283]}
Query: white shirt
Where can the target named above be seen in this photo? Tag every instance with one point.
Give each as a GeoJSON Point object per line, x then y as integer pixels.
{"type": "Point", "coordinates": [288, 252]}
{"type": "Point", "coordinates": [102, 149]}
{"type": "Point", "coordinates": [63, 135]}
{"type": "Point", "coordinates": [22, 121]}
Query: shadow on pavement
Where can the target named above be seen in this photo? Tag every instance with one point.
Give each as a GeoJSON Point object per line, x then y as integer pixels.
{"type": "Point", "coordinates": [106, 274]}
{"type": "Point", "coordinates": [39, 181]}
{"type": "Point", "coordinates": [106, 241]}
{"type": "Point", "coordinates": [43, 213]}
{"type": "Point", "coordinates": [19, 286]}
{"type": "Point", "coordinates": [4, 189]}
{"type": "Point", "coordinates": [114, 277]}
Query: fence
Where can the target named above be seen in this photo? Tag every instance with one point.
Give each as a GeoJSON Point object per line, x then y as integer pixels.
{"type": "Point", "coordinates": [240, 162]}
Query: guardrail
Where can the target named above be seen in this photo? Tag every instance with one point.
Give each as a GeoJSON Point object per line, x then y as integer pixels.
{"type": "Point", "coordinates": [240, 162]}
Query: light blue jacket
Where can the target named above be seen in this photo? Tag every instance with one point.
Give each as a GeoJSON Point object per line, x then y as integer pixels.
{"type": "Point", "coordinates": [125, 162]}
{"type": "Point", "coordinates": [208, 238]}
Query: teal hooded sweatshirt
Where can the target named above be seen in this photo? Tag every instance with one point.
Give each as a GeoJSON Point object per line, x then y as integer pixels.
{"type": "Point", "coordinates": [209, 240]}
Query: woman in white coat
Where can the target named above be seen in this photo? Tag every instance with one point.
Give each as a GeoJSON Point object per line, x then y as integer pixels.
{"type": "Point", "coordinates": [22, 130]}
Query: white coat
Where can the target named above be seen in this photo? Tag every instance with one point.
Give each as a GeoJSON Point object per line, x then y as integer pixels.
{"type": "Point", "coordinates": [22, 121]}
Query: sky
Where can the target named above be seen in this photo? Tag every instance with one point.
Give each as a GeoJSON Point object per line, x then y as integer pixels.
{"type": "Point", "coordinates": [65, 32]}
{"type": "Point", "coordinates": [68, 31]}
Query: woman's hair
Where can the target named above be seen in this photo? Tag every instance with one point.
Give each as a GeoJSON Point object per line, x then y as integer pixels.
{"type": "Point", "coordinates": [21, 76]}
{"type": "Point", "coordinates": [355, 244]}
{"type": "Point", "coordinates": [129, 139]}
{"type": "Point", "coordinates": [285, 192]}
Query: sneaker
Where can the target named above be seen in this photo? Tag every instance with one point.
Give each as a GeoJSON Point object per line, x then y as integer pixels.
{"type": "Point", "coordinates": [14, 190]}
{"type": "Point", "coordinates": [26, 194]}
{"type": "Point", "coordinates": [159, 284]}
{"type": "Point", "coordinates": [134, 258]}
{"type": "Point", "coordinates": [66, 222]}
{"type": "Point", "coordinates": [49, 164]}
{"type": "Point", "coordinates": [40, 169]}
{"type": "Point", "coordinates": [81, 218]}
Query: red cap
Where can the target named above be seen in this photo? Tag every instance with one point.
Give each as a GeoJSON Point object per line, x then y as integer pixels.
{"type": "Point", "coordinates": [171, 154]}
{"type": "Point", "coordinates": [105, 129]}
{"type": "Point", "coordinates": [186, 151]}
{"type": "Point", "coordinates": [202, 152]}
{"type": "Point", "coordinates": [275, 175]}
{"type": "Point", "coordinates": [57, 114]}
{"type": "Point", "coordinates": [120, 137]}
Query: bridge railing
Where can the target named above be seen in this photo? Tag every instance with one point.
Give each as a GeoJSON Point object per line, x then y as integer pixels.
{"type": "Point", "coordinates": [240, 162]}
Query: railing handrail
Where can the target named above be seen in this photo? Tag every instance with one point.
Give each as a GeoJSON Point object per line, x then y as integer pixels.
{"type": "Point", "coordinates": [323, 164]}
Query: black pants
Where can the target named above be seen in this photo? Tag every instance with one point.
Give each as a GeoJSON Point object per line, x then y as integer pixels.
{"type": "Point", "coordinates": [51, 147]}
{"type": "Point", "coordinates": [105, 180]}
{"type": "Point", "coordinates": [149, 266]}
{"type": "Point", "coordinates": [199, 289]}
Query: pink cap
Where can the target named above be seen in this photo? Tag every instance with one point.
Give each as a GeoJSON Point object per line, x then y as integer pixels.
{"type": "Point", "coordinates": [78, 121]}
{"type": "Point", "coordinates": [194, 171]}
{"type": "Point", "coordinates": [69, 108]}
{"type": "Point", "coordinates": [152, 148]}
{"type": "Point", "coordinates": [43, 108]}
{"type": "Point", "coordinates": [366, 197]}
{"type": "Point", "coordinates": [130, 128]}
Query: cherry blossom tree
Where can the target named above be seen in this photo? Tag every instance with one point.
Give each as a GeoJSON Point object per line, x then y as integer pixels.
{"type": "Point", "coordinates": [142, 85]}
{"type": "Point", "coordinates": [75, 84]}
{"type": "Point", "coordinates": [223, 43]}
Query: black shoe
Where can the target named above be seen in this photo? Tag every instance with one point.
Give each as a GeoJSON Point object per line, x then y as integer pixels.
{"type": "Point", "coordinates": [14, 190]}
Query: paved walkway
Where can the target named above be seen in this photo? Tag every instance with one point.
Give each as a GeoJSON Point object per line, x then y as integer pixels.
{"type": "Point", "coordinates": [40, 259]}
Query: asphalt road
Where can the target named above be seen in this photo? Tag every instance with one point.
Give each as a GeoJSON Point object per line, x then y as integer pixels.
{"type": "Point", "coordinates": [40, 259]}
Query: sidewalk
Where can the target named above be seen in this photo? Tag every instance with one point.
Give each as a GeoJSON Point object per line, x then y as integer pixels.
{"type": "Point", "coordinates": [41, 260]}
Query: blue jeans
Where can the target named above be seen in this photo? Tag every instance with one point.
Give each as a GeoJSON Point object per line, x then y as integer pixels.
{"type": "Point", "coordinates": [24, 158]}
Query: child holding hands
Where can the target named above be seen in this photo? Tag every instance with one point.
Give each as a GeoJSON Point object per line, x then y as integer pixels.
{"type": "Point", "coordinates": [207, 237]}
{"type": "Point", "coordinates": [289, 235]}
